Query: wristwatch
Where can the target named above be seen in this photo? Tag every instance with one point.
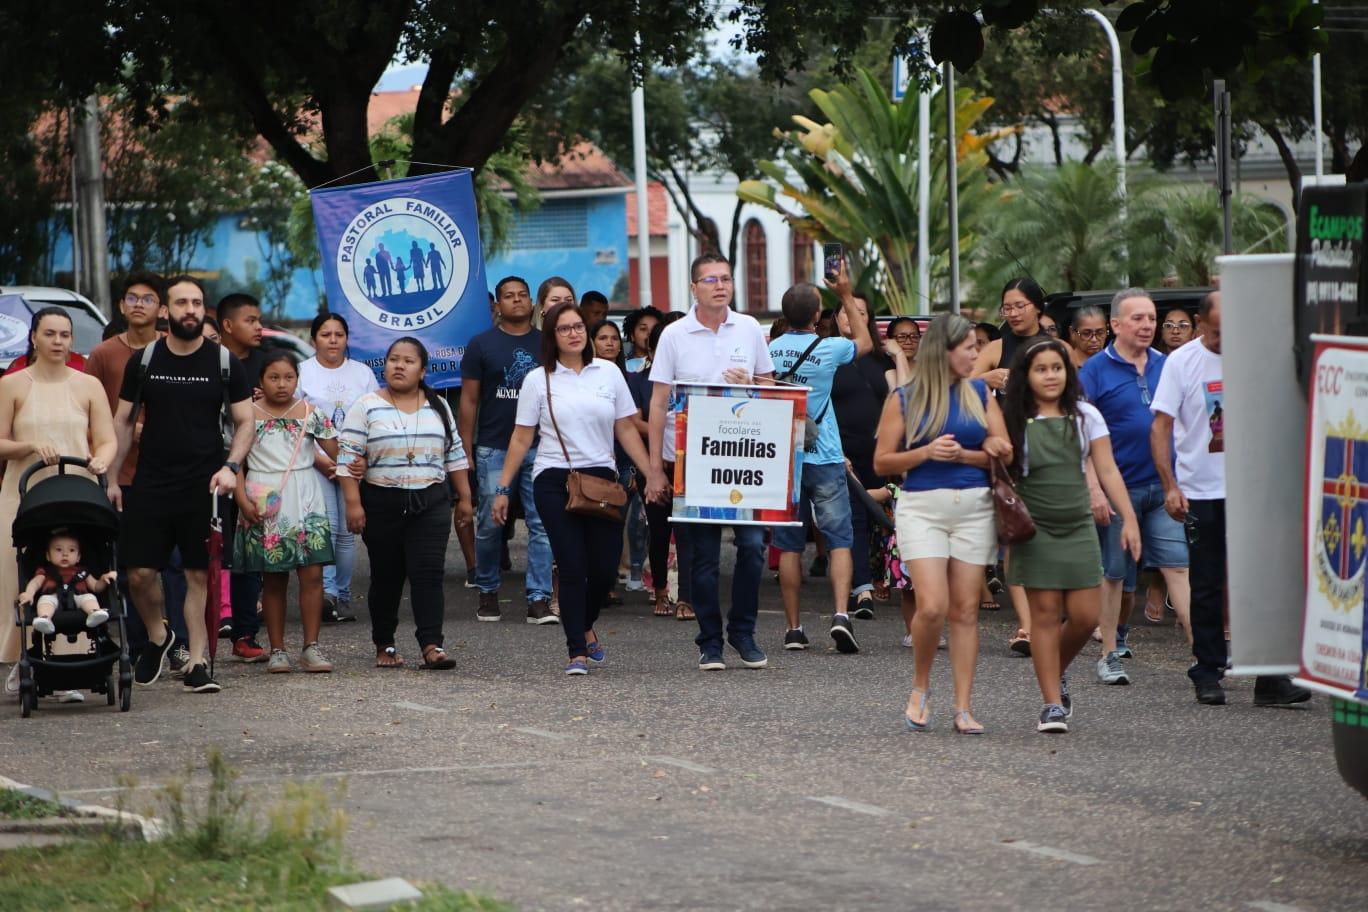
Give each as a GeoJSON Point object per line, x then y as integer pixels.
{"type": "Point", "coordinates": [504, 490]}
{"type": "Point", "coordinates": [233, 467]}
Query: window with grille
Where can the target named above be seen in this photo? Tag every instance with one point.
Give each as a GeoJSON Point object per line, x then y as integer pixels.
{"type": "Point", "coordinates": [556, 224]}
{"type": "Point", "coordinates": [757, 268]}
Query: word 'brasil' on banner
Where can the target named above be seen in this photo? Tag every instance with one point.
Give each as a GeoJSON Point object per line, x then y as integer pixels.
{"type": "Point", "coordinates": [403, 258]}
{"type": "Point", "coordinates": [738, 453]}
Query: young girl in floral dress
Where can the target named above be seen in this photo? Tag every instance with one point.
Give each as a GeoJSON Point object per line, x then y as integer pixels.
{"type": "Point", "coordinates": [283, 522]}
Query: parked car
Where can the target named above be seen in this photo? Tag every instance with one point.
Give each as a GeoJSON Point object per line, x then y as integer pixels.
{"type": "Point", "coordinates": [275, 337]}
{"type": "Point", "coordinates": [87, 322]}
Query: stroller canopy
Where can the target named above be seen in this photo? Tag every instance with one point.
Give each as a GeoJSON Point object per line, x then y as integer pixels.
{"type": "Point", "coordinates": [74, 501]}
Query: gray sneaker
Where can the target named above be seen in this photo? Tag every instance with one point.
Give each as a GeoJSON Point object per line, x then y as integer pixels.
{"type": "Point", "coordinates": [313, 659]}
{"type": "Point", "coordinates": [279, 662]}
{"type": "Point", "coordinates": [1110, 670]}
{"type": "Point", "coordinates": [539, 613]}
{"type": "Point", "coordinates": [179, 660]}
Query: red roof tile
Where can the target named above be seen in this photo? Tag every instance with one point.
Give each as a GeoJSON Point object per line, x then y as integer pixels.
{"type": "Point", "coordinates": [657, 209]}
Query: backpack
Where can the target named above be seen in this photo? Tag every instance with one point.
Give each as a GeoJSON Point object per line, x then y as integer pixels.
{"type": "Point", "coordinates": [225, 414]}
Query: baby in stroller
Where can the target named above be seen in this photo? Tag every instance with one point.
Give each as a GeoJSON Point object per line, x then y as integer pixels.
{"type": "Point", "coordinates": [62, 572]}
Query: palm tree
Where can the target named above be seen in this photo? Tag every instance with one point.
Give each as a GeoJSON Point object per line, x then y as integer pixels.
{"type": "Point", "coordinates": [1178, 232]}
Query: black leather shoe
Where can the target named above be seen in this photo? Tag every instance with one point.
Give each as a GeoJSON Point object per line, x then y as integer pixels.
{"type": "Point", "coordinates": [1210, 693]}
{"type": "Point", "coordinates": [1279, 691]}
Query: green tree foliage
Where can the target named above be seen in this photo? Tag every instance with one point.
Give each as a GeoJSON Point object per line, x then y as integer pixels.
{"type": "Point", "coordinates": [854, 179]}
{"type": "Point", "coordinates": [1168, 231]}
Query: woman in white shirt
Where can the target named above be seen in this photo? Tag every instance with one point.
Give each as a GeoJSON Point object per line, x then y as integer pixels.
{"type": "Point", "coordinates": [580, 406]}
{"type": "Point", "coordinates": [332, 382]}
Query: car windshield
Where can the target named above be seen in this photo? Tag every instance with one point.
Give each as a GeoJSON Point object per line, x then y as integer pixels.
{"type": "Point", "coordinates": [87, 332]}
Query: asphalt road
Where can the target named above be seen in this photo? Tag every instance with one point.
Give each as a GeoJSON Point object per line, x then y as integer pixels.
{"type": "Point", "coordinates": [650, 785]}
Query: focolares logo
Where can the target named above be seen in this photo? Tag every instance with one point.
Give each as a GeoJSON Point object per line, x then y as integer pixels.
{"type": "Point", "coordinates": [740, 407]}
{"type": "Point", "coordinates": [402, 263]}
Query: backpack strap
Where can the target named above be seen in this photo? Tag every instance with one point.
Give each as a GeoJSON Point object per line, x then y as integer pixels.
{"type": "Point", "coordinates": [224, 373]}
{"type": "Point", "coordinates": [144, 362]}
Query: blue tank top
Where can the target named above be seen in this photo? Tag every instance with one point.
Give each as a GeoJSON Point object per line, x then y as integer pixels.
{"type": "Point", "coordinates": [932, 475]}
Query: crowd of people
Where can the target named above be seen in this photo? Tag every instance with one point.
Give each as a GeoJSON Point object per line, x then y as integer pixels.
{"type": "Point", "coordinates": [1108, 423]}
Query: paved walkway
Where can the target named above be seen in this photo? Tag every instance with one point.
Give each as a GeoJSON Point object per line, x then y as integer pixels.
{"type": "Point", "coordinates": [650, 785]}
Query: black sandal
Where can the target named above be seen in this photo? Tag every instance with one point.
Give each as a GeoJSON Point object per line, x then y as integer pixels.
{"type": "Point", "coordinates": [436, 659]}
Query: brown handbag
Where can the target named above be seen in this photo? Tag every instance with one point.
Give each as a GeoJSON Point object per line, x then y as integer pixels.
{"type": "Point", "coordinates": [1014, 523]}
{"type": "Point", "coordinates": [589, 495]}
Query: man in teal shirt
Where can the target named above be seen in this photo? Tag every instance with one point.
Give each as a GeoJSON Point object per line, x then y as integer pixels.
{"type": "Point", "coordinates": [801, 357]}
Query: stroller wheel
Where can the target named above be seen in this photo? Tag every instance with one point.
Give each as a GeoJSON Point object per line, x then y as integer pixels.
{"type": "Point", "coordinates": [28, 692]}
{"type": "Point", "coordinates": [125, 685]}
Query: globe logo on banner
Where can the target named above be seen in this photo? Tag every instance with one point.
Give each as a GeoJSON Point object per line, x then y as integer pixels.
{"type": "Point", "coordinates": [403, 258]}
{"type": "Point", "coordinates": [403, 263]}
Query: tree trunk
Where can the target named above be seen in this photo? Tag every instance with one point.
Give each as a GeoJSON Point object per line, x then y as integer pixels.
{"type": "Point", "coordinates": [1289, 160]}
{"type": "Point", "coordinates": [705, 228]}
{"type": "Point", "coordinates": [477, 129]}
{"type": "Point", "coordinates": [1052, 122]}
{"type": "Point", "coordinates": [735, 232]}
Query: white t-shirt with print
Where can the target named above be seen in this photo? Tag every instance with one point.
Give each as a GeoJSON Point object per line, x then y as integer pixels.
{"type": "Point", "coordinates": [333, 390]}
{"type": "Point", "coordinates": [689, 352]}
{"type": "Point", "coordinates": [587, 404]}
{"type": "Point", "coordinates": [1191, 392]}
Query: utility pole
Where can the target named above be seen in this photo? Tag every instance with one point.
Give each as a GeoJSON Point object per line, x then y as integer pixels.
{"type": "Point", "coordinates": [643, 211]}
{"type": "Point", "coordinates": [91, 240]}
{"type": "Point", "coordinates": [952, 179]}
{"type": "Point", "coordinates": [1223, 153]}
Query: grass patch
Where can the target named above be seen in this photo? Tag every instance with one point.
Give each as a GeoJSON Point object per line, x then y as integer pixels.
{"type": "Point", "coordinates": [217, 855]}
{"type": "Point", "coordinates": [19, 806]}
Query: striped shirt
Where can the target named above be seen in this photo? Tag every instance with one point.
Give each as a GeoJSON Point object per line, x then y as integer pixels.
{"type": "Point", "coordinates": [401, 450]}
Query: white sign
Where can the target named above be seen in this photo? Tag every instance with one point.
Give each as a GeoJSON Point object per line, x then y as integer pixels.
{"type": "Point", "coordinates": [740, 452]}
{"type": "Point", "coordinates": [1337, 520]}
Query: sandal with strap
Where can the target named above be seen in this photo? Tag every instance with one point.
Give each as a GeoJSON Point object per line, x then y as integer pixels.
{"type": "Point", "coordinates": [389, 657]}
{"type": "Point", "coordinates": [683, 612]}
{"type": "Point", "coordinates": [663, 606]}
{"type": "Point", "coordinates": [922, 705]}
{"type": "Point", "coordinates": [436, 659]}
{"type": "Point", "coordinates": [970, 727]}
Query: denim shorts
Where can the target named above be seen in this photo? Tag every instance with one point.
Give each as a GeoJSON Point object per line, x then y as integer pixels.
{"type": "Point", "coordinates": [826, 499]}
{"type": "Point", "coordinates": [1165, 544]}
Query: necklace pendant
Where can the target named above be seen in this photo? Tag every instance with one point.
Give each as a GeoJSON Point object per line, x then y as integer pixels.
{"type": "Point", "coordinates": [410, 457]}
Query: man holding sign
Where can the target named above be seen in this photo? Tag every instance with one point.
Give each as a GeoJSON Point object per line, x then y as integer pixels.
{"type": "Point", "coordinates": [713, 344]}
{"type": "Point", "coordinates": [802, 357]}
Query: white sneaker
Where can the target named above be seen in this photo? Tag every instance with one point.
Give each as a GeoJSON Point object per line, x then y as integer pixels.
{"type": "Point", "coordinates": [97, 618]}
{"type": "Point", "coordinates": [635, 584]}
{"type": "Point", "coordinates": [44, 626]}
{"type": "Point", "coordinates": [12, 681]}
{"type": "Point", "coordinates": [69, 696]}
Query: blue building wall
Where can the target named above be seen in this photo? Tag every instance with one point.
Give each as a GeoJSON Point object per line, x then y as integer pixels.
{"type": "Point", "coordinates": [582, 239]}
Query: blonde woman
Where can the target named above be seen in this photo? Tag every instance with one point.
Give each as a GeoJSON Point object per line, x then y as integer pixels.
{"type": "Point", "coordinates": [937, 433]}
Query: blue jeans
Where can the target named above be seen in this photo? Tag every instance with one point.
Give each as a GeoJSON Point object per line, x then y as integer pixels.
{"type": "Point", "coordinates": [489, 464]}
{"type": "Point", "coordinates": [1163, 538]}
{"type": "Point", "coordinates": [337, 576]}
{"type": "Point", "coordinates": [705, 541]}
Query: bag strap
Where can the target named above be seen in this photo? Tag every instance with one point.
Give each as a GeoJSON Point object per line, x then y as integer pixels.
{"type": "Point", "coordinates": [801, 358]}
{"type": "Point", "coordinates": [299, 441]}
{"type": "Point", "coordinates": [552, 410]}
{"type": "Point", "coordinates": [144, 363]}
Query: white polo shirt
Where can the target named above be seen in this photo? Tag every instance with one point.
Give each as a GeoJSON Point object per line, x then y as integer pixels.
{"type": "Point", "coordinates": [689, 352]}
{"type": "Point", "coordinates": [587, 406]}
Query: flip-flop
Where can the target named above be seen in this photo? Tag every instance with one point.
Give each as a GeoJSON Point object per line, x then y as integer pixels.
{"type": "Point", "coordinates": [663, 607]}
{"type": "Point", "coordinates": [683, 612]}
{"type": "Point", "coordinates": [442, 662]}
{"type": "Point", "coordinates": [391, 653]}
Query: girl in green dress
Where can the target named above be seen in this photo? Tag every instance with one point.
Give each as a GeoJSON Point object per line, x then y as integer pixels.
{"type": "Point", "coordinates": [1054, 437]}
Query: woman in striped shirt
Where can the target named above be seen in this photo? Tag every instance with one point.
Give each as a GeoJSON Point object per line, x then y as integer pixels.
{"type": "Point", "coordinates": [406, 438]}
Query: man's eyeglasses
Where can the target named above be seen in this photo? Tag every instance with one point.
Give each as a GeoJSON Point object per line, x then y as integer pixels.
{"type": "Point", "coordinates": [147, 300]}
{"type": "Point", "coordinates": [1181, 324]}
{"type": "Point", "coordinates": [1091, 334]}
{"type": "Point", "coordinates": [576, 329]}
{"type": "Point", "coordinates": [906, 337]}
{"type": "Point", "coordinates": [715, 280]}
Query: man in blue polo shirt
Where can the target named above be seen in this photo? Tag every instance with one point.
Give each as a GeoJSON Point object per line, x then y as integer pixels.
{"type": "Point", "coordinates": [801, 357]}
{"type": "Point", "coordinates": [1120, 381]}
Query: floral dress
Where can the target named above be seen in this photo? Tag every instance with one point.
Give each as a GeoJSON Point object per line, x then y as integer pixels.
{"type": "Point", "coordinates": [297, 534]}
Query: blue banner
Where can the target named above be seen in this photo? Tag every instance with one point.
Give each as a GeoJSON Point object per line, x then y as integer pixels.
{"type": "Point", "coordinates": [403, 258]}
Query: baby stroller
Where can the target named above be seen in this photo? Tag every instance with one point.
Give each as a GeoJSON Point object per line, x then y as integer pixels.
{"type": "Point", "coordinates": [81, 507]}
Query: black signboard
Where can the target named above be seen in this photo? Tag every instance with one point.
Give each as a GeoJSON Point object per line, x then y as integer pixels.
{"type": "Point", "coordinates": [1332, 278]}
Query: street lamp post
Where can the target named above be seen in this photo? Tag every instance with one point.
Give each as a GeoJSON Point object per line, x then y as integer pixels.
{"type": "Point", "coordinates": [1118, 125]}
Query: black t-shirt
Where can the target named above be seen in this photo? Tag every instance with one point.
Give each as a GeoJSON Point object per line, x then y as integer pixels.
{"type": "Point", "coordinates": [251, 365]}
{"type": "Point", "coordinates": [858, 392]}
{"type": "Point", "coordinates": [182, 396]}
{"type": "Point", "coordinates": [500, 362]}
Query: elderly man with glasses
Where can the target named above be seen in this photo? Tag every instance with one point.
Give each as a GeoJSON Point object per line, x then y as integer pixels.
{"type": "Point", "coordinates": [1120, 381]}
